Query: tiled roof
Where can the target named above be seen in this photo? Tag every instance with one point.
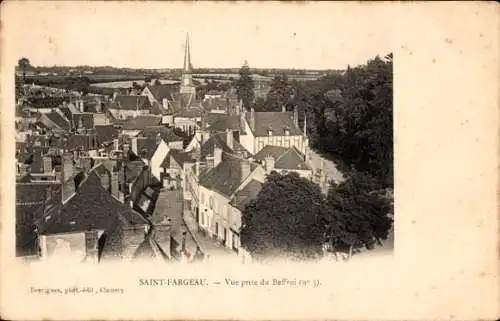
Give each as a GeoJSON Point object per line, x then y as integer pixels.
{"type": "Point", "coordinates": [179, 156]}
{"type": "Point", "coordinates": [246, 194]}
{"type": "Point", "coordinates": [221, 122]}
{"type": "Point", "coordinates": [284, 158]}
{"type": "Point", "coordinates": [80, 141]}
{"type": "Point", "coordinates": [26, 235]}
{"type": "Point", "coordinates": [225, 178]}
{"type": "Point", "coordinates": [191, 112]}
{"type": "Point", "coordinates": [67, 112]}
{"type": "Point", "coordinates": [130, 102]}
{"type": "Point", "coordinates": [133, 170]}
{"type": "Point", "coordinates": [87, 120]}
{"type": "Point", "coordinates": [167, 134]}
{"type": "Point", "coordinates": [184, 101]}
{"type": "Point", "coordinates": [46, 102]}
{"type": "Point", "coordinates": [35, 192]}
{"type": "Point", "coordinates": [59, 120]}
{"type": "Point", "coordinates": [37, 163]}
{"type": "Point", "coordinates": [216, 103]}
{"type": "Point", "coordinates": [146, 147]}
{"type": "Point", "coordinates": [157, 109]}
{"type": "Point", "coordinates": [220, 140]}
{"type": "Point", "coordinates": [105, 133]}
{"type": "Point", "coordinates": [31, 200]}
{"type": "Point", "coordinates": [91, 208]}
{"type": "Point", "coordinates": [162, 91]}
{"type": "Point", "coordinates": [277, 121]}
{"type": "Point", "coordinates": [140, 122]}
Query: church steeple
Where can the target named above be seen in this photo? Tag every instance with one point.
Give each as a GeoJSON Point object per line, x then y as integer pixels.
{"type": "Point", "coordinates": [187, 86]}
{"type": "Point", "coordinates": [187, 57]}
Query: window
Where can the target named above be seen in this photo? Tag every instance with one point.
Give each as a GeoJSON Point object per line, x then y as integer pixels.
{"type": "Point", "coordinates": [211, 202]}
{"type": "Point", "coordinates": [236, 241]}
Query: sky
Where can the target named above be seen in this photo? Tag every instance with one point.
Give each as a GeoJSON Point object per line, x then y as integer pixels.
{"type": "Point", "coordinates": [222, 35]}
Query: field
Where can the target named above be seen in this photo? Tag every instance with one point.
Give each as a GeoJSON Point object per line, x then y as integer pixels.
{"type": "Point", "coordinates": [128, 83]}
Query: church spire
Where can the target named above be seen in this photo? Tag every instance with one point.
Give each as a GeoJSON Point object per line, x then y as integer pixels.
{"type": "Point", "coordinates": [187, 86]}
{"type": "Point", "coordinates": [187, 56]}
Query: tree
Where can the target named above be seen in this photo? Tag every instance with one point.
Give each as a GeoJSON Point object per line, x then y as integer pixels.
{"type": "Point", "coordinates": [358, 213]}
{"type": "Point", "coordinates": [353, 117]}
{"type": "Point", "coordinates": [157, 82]}
{"type": "Point", "coordinates": [23, 63]}
{"type": "Point", "coordinates": [280, 94]}
{"type": "Point", "coordinates": [148, 80]}
{"type": "Point", "coordinates": [245, 86]}
{"type": "Point", "coordinates": [283, 219]}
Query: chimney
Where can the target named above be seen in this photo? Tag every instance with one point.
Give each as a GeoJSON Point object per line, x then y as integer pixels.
{"type": "Point", "coordinates": [217, 156]}
{"type": "Point", "coordinates": [283, 109]}
{"type": "Point", "coordinates": [23, 169]}
{"type": "Point", "coordinates": [98, 104]}
{"type": "Point", "coordinates": [133, 142]}
{"type": "Point", "coordinates": [115, 186]}
{"type": "Point", "coordinates": [296, 116]}
{"type": "Point", "coordinates": [47, 164]}
{"type": "Point", "coordinates": [269, 163]}
{"type": "Point", "coordinates": [67, 167]}
{"type": "Point", "coordinates": [239, 108]}
{"type": "Point", "coordinates": [252, 118]}
{"type": "Point", "coordinates": [115, 93]}
{"type": "Point", "coordinates": [158, 139]}
{"type": "Point", "coordinates": [229, 138]}
{"type": "Point", "coordinates": [210, 162]}
{"type": "Point", "coordinates": [245, 170]}
{"type": "Point", "coordinates": [116, 145]}
{"type": "Point", "coordinates": [197, 169]}
{"type": "Point", "coordinates": [80, 103]}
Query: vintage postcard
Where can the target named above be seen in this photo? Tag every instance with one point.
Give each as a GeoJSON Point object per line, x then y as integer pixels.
{"type": "Point", "coordinates": [249, 160]}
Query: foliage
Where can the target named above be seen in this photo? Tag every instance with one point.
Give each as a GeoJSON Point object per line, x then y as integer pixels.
{"type": "Point", "coordinates": [23, 63]}
{"type": "Point", "coordinates": [157, 82]}
{"type": "Point", "coordinates": [245, 86]}
{"type": "Point", "coordinates": [283, 218]}
{"type": "Point", "coordinates": [280, 94]}
{"type": "Point", "coordinates": [350, 116]}
{"type": "Point", "coordinates": [357, 214]}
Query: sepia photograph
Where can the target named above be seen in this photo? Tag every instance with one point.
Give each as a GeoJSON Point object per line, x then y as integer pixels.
{"type": "Point", "coordinates": [248, 160]}
{"type": "Point", "coordinates": [192, 163]}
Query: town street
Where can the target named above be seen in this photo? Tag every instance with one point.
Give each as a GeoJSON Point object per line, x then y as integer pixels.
{"type": "Point", "coordinates": [170, 203]}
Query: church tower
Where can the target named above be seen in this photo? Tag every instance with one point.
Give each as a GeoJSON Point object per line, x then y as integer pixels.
{"type": "Point", "coordinates": [187, 86]}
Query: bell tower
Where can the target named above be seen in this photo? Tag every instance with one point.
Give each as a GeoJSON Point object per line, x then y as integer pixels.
{"type": "Point", "coordinates": [187, 86]}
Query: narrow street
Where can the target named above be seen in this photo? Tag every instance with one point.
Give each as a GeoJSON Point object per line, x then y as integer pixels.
{"type": "Point", "coordinates": [328, 166]}
{"type": "Point", "coordinates": [207, 245]}
{"type": "Point", "coordinates": [170, 204]}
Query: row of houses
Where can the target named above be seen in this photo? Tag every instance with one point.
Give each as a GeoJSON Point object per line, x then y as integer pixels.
{"type": "Point", "coordinates": [89, 169]}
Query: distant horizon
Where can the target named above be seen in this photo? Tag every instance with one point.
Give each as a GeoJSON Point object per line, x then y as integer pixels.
{"type": "Point", "coordinates": [180, 68]}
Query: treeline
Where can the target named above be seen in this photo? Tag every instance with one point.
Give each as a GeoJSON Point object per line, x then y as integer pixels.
{"type": "Point", "coordinates": [349, 115]}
